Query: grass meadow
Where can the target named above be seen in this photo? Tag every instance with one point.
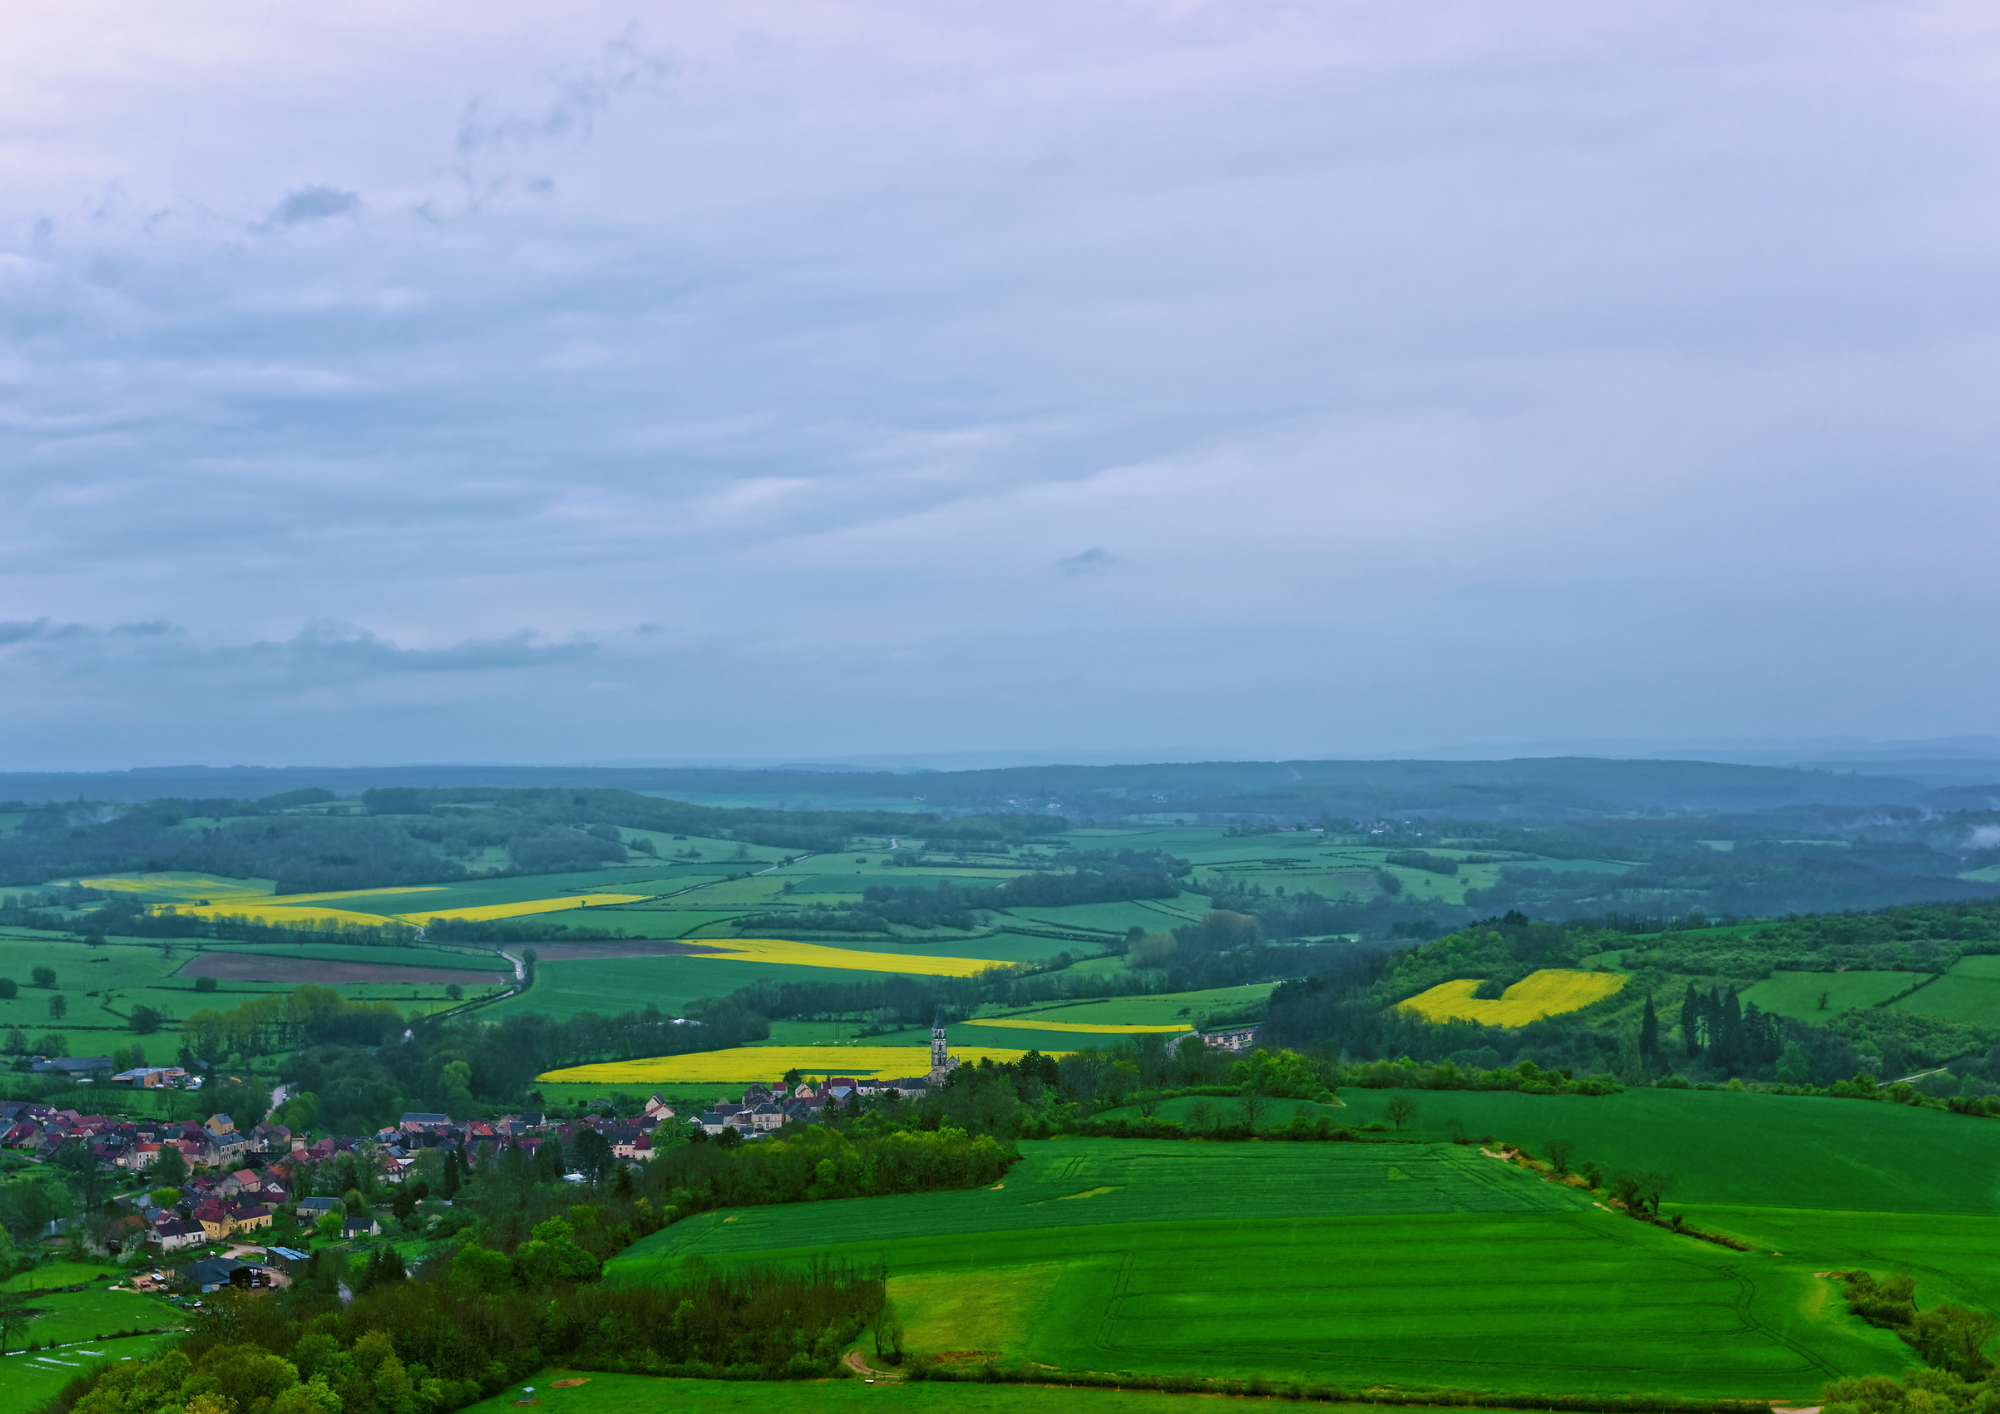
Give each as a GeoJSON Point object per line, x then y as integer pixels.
{"type": "Point", "coordinates": [1797, 994]}
{"type": "Point", "coordinates": [1736, 1148]}
{"type": "Point", "coordinates": [642, 1394]}
{"type": "Point", "coordinates": [29, 1380]}
{"type": "Point", "coordinates": [1969, 992]}
{"type": "Point", "coordinates": [1414, 1265]}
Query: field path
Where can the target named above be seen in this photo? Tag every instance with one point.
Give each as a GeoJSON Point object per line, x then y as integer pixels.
{"type": "Point", "coordinates": [857, 1362]}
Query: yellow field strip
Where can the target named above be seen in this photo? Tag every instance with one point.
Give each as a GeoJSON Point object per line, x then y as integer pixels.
{"type": "Point", "coordinates": [752, 1063]}
{"type": "Point", "coordinates": [1549, 992]}
{"type": "Point", "coordinates": [817, 955]}
{"type": "Point", "coordinates": [518, 910]}
{"type": "Point", "coordinates": [263, 912]}
{"type": "Point", "coordinates": [1029, 1023]}
{"type": "Point", "coordinates": [296, 908]}
{"type": "Point", "coordinates": [183, 888]}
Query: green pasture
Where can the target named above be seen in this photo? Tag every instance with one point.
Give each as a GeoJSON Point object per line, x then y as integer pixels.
{"type": "Point", "coordinates": [645, 1394]}
{"type": "Point", "coordinates": [66, 1317]}
{"type": "Point", "coordinates": [1418, 1265]}
{"type": "Point", "coordinates": [1115, 919]}
{"type": "Point", "coordinates": [1727, 1147]}
{"type": "Point", "coordinates": [1968, 993]}
{"type": "Point", "coordinates": [676, 919]}
{"type": "Point", "coordinates": [1164, 1009]}
{"type": "Point", "coordinates": [610, 985]}
{"type": "Point", "coordinates": [1222, 1109]}
{"type": "Point", "coordinates": [30, 1380]}
{"type": "Point", "coordinates": [830, 882]}
{"type": "Point", "coordinates": [49, 1274]}
{"type": "Point", "coordinates": [1796, 994]}
{"type": "Point", "coordinates": [1009, 1037]}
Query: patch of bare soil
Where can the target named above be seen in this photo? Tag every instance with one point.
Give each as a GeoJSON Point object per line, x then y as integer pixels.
{"type": "Point", "coordinates": [857, 1362]}
{"type": "Point", "coordinates": [252, 967]}
{"type": "Point", "coordinates": [615, 947]}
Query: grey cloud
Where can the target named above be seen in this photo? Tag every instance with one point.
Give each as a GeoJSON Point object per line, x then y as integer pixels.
{"type": "Point", "coordinates": [308, 204]}
{"type": "Point", "coordinates": [1095, 560]}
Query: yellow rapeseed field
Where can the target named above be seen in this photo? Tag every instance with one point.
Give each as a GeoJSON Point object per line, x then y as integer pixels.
{"type": "Point", "coordinates": [752, 1063]}
{"type": "Point", "coordinates": [847, 959]}
{"type": "Point", "coordinates": [1549, 992]}
{"type": "Point", "coordinates": [177, 887]}
{"type": "Point", "coordinates": [484, 912]}
{"type": "Point", "coordinates": [262, 911]}
{"type": "Point", "coordinates": [1030, 1023]}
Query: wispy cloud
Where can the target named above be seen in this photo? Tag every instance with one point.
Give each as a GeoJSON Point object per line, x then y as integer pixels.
{"type": "Point", "coordinates": [580, 94]}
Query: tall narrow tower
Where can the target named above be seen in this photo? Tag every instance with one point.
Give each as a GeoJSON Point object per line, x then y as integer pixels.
{"type": "Point", "coordinates": [941, 1062]}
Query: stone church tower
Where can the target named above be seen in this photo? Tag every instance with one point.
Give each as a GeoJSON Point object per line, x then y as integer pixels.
{"type": "Point", "coordinates": [942, 1064]}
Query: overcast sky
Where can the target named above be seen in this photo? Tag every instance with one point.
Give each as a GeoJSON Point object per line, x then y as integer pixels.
{"type": "Point", "coordinates": [612, 382]}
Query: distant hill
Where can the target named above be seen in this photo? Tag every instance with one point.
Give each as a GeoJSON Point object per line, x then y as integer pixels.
{"type": "Point", "coordinates": [1532, 788]}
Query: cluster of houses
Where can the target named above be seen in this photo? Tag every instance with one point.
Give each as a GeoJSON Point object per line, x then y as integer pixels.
{"type": "Point", "coordinates": [134, 1145]}
{"type": "Point", "coordinates": [765, 1107]}
{"type": "Point", "coordinates": [238, 1179]}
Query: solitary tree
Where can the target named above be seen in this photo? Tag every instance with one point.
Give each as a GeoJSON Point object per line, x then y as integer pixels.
{"type": "Point", "coordinates": [1560, 1151]}
{"type": "Point", "coordinates": [1255, 1102]}
{"type": "Point", "coordinates": [146, 1020]}
{"type": "Point", "coordinates": [58, 1006]}
{"type": "Point", "coordinates": [43, 977]}
{"type": "Point", "coordinates": [9, 989]}
{"type": "Point", "coordinates": [1400, 1111]}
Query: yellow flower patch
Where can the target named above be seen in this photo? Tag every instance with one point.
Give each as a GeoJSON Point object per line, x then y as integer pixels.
{"type": "Point", "coordinates": [754, 1063]}
{"type": "Point", "coordinates": [1549, 992]}
{"type": "Point", "coordinates": [260, 911]}
{"type": "Point", "coordinates": [848, 959]}
{"type": "Point", "coordinates": [484, 912]}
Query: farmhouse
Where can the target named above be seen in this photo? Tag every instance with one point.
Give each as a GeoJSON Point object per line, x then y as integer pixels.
{"type": "Point", "coordinates": [173, 1235]}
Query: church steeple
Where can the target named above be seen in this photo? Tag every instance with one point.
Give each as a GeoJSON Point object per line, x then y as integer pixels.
{"type": "Point", "coordinates": [941, 1062]}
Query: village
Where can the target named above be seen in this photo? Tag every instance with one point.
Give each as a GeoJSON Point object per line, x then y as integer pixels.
{"type": "Point", "coordinates": [212, 1203]}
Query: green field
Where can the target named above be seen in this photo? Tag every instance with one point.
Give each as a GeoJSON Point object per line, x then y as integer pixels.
{"type": "Point", "coordinates": [1163, 1009]}
{"type": "Point", "coordinates": [1415, 1265]}
{"type": "Point", "coordinates": [1797, 994]}
{"type": "Point", "coordinates": [1742, 1148]}
{"type": "Point", "coordinates": [642, 1394]}
{"type": "Point", "coordinates": [1969, 992]}
{"type": "Point", "coordinates": [32, 1379]}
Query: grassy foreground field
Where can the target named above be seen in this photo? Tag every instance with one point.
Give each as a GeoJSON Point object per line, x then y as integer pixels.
{"type": "Point", "coordinates": [641, 1394]}
{"type": "Point", "coordinates": [1417, 1265]}
{"type": "Point", "coordinates": [29, 1380]}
